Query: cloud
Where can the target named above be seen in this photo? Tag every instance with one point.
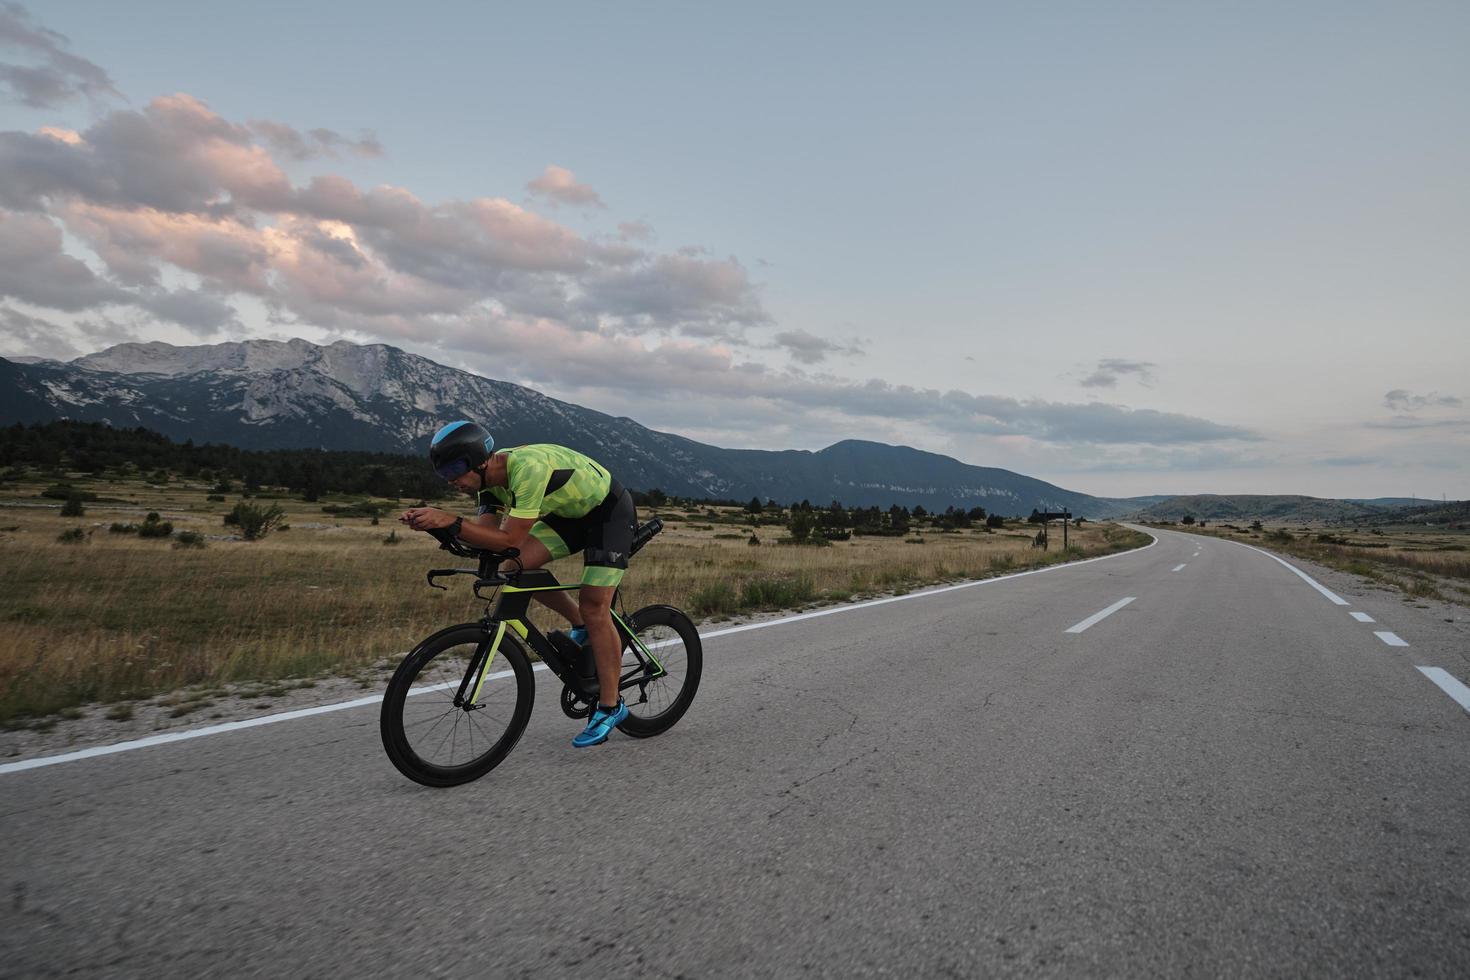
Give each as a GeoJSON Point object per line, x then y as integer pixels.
{"type": "Point", "coordinates": [559, 185]}
{"type": "Point", "coordinates": [34, 269]}
{"type": "Point", "coordinates": [1108, 370]}
{"type": "Point", "coordinates": [676, 370]}
{"type": "Point", "coordinates": [313, 144]}
{"type": "Point", "coordinates": [58, 78]}
{"type": "Point", "coordinates": [189, 214]}
{"type": "Point", "coordinates": [808, 348]}
{"type": "Point", "coordinates": [1402, 401]}
{"type": "Point", "coordinates": [27, 336]}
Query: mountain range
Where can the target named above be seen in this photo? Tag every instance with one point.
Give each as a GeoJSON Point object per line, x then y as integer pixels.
{"type": "Point", "coordinates": [263, 394]}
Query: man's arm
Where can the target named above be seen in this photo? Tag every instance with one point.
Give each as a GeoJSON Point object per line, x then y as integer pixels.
{"type": "Point", "coordinates": [478, 533]}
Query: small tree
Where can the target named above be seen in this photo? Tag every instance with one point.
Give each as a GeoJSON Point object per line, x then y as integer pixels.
{"type": "Point", "coordinates": [154, 526]}
{"type": "Point", "coordinates": [754, 507]}
{"type": "Point", "coordinates": [253, 521]}
{"type": "Point", "coordinates": [73, 506]}
{"type": "Point", "coordinates": [1188, 519]}
{"type": "Point", "coordinates": [801, 526]}
{"type": "Point", "coordinates": [995, 520]}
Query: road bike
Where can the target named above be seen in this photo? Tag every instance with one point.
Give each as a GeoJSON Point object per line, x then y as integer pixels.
{"type": "Point", "coordinates": [461, 699]}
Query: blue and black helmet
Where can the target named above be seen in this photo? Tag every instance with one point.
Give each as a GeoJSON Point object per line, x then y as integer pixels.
{"type": "Point", "coordinates": [458, 448]}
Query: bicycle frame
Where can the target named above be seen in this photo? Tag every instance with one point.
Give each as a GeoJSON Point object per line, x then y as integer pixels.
{"type": "Point", "coordinates": [517, 589]}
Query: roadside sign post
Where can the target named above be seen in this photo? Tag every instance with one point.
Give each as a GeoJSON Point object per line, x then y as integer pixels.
{"type": "Point", "coordinates": [1064, 516]}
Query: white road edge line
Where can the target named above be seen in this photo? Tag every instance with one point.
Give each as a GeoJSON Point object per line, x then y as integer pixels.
{"type": "Point", "coordinates": [1363, 617]}
{"type": "Point", "coordinates": [1177, 567]}
{"type": "Point", "coordinates": [232, 726]}
{"type": "Point", "coordinates": [1391, 638]}
{"type": "Point", "coordinates": [1448, 684]}
{"type": "Point", "coordinates": [229, 726]}
{"type": "Point", "coordinates": [1333, 596]}
{"type": "Point", "coordinates": [1098, 617]}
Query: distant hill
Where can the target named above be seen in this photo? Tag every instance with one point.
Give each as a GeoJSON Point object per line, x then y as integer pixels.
{"type": "Point", "coordinates": [1255, 507]}
{"type": "Point", "coordinates": [297, 395]}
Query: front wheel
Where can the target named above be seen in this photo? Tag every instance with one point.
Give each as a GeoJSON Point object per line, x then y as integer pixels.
{"type": "Point", "coordinates": [665, 638]}
{"type": "Point", "coordinates": [436, 742]}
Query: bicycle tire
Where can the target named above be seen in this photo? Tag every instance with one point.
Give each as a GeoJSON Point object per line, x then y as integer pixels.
{"type": "Point", "coordinates": [654, 707]}
{"type": "Point", "coordinates": [416, 732]}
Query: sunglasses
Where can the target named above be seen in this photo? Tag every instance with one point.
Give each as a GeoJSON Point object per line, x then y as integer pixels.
{"type": "Point", "coordinates": [454, 469]}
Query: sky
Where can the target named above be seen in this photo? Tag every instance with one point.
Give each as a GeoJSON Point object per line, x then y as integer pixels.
{"type": "Point", "coordinates": [1128, 248]}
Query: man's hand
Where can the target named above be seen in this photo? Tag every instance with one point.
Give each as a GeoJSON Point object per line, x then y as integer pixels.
{"type": "Point", "coordinates": [426, 518]}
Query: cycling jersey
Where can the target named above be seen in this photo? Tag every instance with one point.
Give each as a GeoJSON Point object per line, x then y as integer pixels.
{"type": "Point", "coordinates": [576, 504]}
{"type": "Point", "coordinates": [543, 479]}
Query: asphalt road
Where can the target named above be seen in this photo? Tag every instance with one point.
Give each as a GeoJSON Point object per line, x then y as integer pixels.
{"type": "Point", "coordinates": [1227, 776]}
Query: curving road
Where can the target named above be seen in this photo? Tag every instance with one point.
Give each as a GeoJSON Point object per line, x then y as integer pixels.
{"type": "Point", "coordinates": [1227, 775]}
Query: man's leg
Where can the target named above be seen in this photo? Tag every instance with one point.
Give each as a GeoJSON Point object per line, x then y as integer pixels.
{"type": "Point", "coordinates": [595, 605]}
{"type": "Point", "coordinates": [534, 554]}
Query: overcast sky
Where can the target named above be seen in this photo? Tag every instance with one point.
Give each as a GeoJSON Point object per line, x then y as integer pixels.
{"type": "Point", "coordinates": [1129, 248]}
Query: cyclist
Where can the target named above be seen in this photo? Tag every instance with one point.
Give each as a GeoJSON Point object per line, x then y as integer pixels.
{"type": "Point", "coordinates": [557, 502]}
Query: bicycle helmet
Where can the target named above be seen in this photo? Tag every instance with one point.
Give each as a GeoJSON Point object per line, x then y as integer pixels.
{"type": "Point", "coordinates": [458, 448]}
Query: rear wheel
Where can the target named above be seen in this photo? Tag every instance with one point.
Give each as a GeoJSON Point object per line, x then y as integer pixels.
{"type": "Point", "coordinates": [433, 741]}
{"type": "Point", "coordinates": [669, 637]}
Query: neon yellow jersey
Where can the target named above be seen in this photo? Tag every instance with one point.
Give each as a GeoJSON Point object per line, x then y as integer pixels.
{"type": "Point", "coordinates": [546, 479]}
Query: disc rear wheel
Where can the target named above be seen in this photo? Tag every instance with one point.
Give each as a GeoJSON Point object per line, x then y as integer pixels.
{"type": "Point", "coordinates": [668, 640]}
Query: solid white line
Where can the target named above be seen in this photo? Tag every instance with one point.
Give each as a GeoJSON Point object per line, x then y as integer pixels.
{"type": "Point", "coordinates": [1177, 567]}
{"type": "Point", "coordinates": [231, 726]}
{"type": "Point", "coordinates": [1392, 639]}
{"type": "Point", "coordinates": [1363, 617]}
{"type": "Point", "coordinates": [1333, 596]}
{"type": "Point", "coordinates": [1099, 616]}
{"type": "Point", "coordinates": [1448, 684]}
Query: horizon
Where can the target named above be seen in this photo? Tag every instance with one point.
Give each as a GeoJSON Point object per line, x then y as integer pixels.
{"type": "Point", "coordinates": [1112, 249]}
{"type": "Point", "coordinates": [819, 449]}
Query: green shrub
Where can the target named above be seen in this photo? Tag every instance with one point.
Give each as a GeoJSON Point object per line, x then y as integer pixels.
{"type": "Point", "coordinates": [155, 527]}
{"type": "Point", "coordinates": [392, 537]}
{"type": "Point", "coordinates": [714, 599]}
{"type": "Point", "coordinates": [73, 506]}
{"type": "Point", "coordinates": [189, 539]}
{"type": "Point", "coordinates": [75, 536]}
{"type": "Point", "coordinates": [118, 528]}
{"type": "Point", "coordinates": [255, 522]}
{"type": "Point", "coordinates": [779, 593]}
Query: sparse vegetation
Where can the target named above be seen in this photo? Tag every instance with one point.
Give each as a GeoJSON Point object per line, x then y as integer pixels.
{"type": "Point", "coordinates": [330, 599]}
{"type": "Point", "coordinates": [254, 521]}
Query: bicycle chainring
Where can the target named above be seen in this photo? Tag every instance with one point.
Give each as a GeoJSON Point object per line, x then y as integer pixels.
{"type": "Point", "coordinates": [573, 705]}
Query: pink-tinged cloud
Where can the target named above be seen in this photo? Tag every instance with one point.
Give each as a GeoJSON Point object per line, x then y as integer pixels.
{"type": "Point", "coordinates": [224, 251]}
{"type": "Point", "coordinates": [560, 185]}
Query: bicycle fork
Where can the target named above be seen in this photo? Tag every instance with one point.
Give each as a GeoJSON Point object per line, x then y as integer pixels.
{"type": "Point", "coordinates": [474, 678]}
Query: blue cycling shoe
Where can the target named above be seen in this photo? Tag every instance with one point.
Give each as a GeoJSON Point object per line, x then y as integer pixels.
{"type": "Point", "coordinates": [600, 725]}
{"type": "Point", "coordinates": [578, 635]}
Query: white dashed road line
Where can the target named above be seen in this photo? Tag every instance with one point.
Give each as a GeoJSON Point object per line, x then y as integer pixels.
{"type": "Point", "coordinates": [1099, 616]}
{"type": "Point", "coordinates": [1391, 638]}
{"type": "Point", "coordinates": [1448, 684]}
{"type": "Point", "coordinates": [1363, 617]}
{"type": "Point", "coordinates": [232, 726]}
{"type": "Point", "coordinates": [1177, 567]}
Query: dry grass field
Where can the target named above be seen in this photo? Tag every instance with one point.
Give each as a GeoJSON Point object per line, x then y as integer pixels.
{"type": "Point", "coordinates": [108, 617]}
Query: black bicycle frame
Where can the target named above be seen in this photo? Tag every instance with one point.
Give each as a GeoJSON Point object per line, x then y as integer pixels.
{"type": "Point", "coordinates": [518, 588]}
